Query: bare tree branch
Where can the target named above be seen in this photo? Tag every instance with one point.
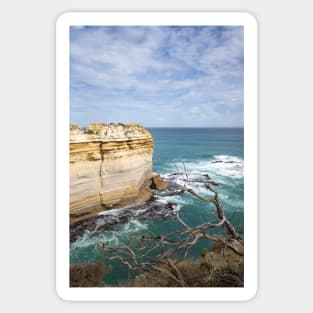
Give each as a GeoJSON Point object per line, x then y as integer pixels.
{"type": "Point", "coordinates": [157, 253]}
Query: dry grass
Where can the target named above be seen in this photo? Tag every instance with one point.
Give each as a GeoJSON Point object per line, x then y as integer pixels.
{"type": "Point", "coordinates": [218, 268]}
{"type": "Point", "coordinates": [87, 275]}
{"type": "Point", "coordinates": [213, 269]}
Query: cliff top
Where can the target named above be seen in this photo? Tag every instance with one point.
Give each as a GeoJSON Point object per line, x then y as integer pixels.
{"type": "Point", "coordinates": [108, 132]}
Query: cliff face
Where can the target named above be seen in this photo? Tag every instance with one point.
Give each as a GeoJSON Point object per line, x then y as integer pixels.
{"type": "Point", "coordinates": [110, 167]}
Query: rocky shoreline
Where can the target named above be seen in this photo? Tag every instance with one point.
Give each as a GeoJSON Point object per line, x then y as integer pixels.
{"type": "Point", "coordinates": [111, 178]}
{"type": "Point", "coordinates": [155, 208]}
{"type": "Point", "coordinates": [112, 218]}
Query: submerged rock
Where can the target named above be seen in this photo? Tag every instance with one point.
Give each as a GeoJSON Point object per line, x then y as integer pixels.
{"type": "Point", "coordinates": [107, 220]}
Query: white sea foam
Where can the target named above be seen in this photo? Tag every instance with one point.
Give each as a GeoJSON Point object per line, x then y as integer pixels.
{"type": "Point", "coordinates": [85, 241]}
{"type": "Point", "coordinates": [230, 166]}
{"type": "Point", "coordinates": [114, 237]}
{"type": "Point", "coordinates": [221, 166]}
{"type": "Point", "coordinates": [179, 201]}
{"type": "Point", "coordinates": [225, 157]}
{"type": "Point", "coordinates": [133, 226]}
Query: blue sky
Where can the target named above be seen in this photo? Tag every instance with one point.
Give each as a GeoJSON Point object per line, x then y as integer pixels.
{"type": "Point", "coordinates": [157, 76]}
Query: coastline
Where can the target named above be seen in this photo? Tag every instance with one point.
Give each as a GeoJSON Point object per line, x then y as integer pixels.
{"type": "Point", "coordinates": [159, 215]}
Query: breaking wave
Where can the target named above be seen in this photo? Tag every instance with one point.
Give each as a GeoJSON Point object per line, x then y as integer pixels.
{"type": "Point", "coordinates": [113, 237]}
{"type": "Point", "coordinates": [219, 166]}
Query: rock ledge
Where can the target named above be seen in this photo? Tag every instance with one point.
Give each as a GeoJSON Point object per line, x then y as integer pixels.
{"type": "Point", "coordinates": [110, 167]}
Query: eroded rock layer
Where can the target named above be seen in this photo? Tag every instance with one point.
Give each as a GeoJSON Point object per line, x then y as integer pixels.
{"type": "Point", "coordinates": [110, 167]}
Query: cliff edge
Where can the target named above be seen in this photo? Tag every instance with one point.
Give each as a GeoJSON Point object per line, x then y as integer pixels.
{"type": "Point", "coordinates": [110, 167]}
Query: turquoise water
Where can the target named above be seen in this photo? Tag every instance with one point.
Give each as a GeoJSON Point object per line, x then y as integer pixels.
{"type": "Point", "coordinates": [217, 152]}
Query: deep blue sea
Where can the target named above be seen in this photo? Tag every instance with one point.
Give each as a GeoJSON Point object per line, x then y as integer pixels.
{"type": "Point", "coordinates": [217, 152]}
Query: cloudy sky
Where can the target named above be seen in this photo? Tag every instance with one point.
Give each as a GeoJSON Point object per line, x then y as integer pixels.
{"type": "Point", "coordinates": [157, 76]}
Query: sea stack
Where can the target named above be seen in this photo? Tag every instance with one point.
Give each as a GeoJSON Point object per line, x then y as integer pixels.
{"type": "Point", "coordinates": [110, 167]}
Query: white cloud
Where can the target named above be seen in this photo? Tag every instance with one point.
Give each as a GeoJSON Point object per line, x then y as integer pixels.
{"type": "Point", "coordinates": [156, 70]}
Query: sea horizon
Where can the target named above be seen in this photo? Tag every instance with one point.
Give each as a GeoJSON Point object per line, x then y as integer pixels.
{"type": "Point", "coordinates": [174, 127]}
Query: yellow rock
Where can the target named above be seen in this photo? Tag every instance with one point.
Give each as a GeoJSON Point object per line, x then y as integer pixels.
{"type": "Point", "coordinates": [110, 167]}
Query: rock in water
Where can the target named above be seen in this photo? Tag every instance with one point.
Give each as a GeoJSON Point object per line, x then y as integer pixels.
{"type": "Point", "coordinates": [158, 182]}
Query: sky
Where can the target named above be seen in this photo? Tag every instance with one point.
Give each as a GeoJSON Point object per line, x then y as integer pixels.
{"type": "Point", "coordinates": [178, 76]}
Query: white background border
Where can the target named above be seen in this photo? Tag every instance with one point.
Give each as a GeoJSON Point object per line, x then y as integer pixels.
{"type": "Point", "coordinates": [62, 156]}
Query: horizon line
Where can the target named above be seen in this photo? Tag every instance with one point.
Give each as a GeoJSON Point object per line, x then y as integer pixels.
{"type": "Point", "coordinates": [85, 126]}
{"type": "Point", "coordinates": [194, 126]}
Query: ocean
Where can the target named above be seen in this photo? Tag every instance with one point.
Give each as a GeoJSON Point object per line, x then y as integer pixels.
{"type": "Point", "coordinates": [217, 152]}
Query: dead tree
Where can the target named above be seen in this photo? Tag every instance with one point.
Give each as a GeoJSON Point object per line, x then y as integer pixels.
{"type": "Point", "coordinates": [137, 253]}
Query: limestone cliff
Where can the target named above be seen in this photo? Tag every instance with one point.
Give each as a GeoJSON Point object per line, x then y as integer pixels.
{"type": "Point", "coordinates": [110, 167]}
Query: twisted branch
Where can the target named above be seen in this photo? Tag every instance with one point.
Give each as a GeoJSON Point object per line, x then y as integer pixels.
{"type": "Point", "coordinates": [167, 246]}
